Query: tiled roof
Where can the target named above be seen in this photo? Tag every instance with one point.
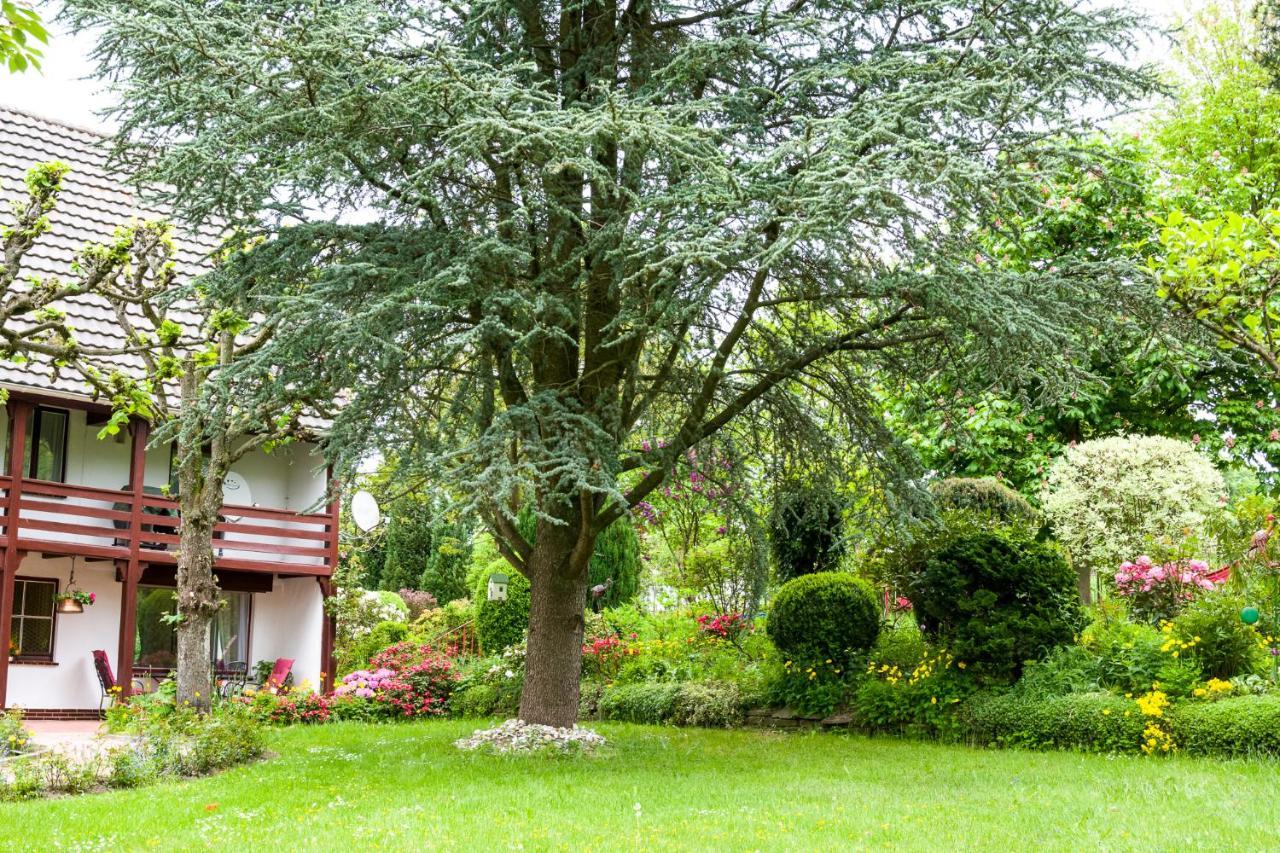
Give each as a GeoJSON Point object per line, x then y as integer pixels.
{"type": "Point", "coordinates": [94, 202]}
{"type": "Point", "coordinates": [92, 205]}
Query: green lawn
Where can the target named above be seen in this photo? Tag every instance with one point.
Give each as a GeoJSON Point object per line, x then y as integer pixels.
{"type": "Point", "coordinates": [404, 787]}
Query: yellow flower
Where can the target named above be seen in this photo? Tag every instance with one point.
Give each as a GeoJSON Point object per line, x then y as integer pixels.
{"type": "Point", "coordinates": [1106, 712]}
{"type": "Point", "coordinates": [933, 700]}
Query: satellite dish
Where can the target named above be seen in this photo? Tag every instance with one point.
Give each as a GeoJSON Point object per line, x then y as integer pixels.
{"type": "Point", "coordinates": [365, 511]}
{"type": "Point", "coordinates": [236, 492]}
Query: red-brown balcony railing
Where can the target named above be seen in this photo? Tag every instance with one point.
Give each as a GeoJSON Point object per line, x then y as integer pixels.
{"type": "Point", "coordinates": [85, 521]}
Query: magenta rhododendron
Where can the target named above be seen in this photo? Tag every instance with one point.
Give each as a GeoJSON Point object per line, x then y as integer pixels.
{"type": "Point", "coordinates": [1159, 591]}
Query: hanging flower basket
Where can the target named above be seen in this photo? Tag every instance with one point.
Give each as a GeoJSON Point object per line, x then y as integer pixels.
{"type": "Point", "coordinates": [73, 600]}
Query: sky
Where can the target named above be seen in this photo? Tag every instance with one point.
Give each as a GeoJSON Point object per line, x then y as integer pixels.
{"type": "Point", "coordinates": [65, 92]}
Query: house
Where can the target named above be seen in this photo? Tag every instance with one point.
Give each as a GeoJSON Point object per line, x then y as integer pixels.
{"type": "Point", "coordinates": [78, 512]}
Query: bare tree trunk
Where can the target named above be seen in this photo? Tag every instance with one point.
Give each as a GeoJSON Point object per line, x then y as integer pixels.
{"type": "Point", "coordinates": [553, 664]}
{"type": "Point", "coordinates": [1084, 582]}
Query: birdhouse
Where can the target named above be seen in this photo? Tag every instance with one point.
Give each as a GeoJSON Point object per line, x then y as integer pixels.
{"type": "Point", "coordinates": [498, 587]}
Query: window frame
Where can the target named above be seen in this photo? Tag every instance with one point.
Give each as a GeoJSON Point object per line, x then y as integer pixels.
{"type": "Point", "coordinates": [59, 454]}
{"type": "Point", "coordinates": [250, 606]}
{"type": "Point", "coordinates": [53, 617]}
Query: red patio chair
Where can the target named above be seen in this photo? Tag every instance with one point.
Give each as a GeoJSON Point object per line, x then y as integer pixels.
{"type": "Point", "coordinates": [279, 674]}
{"type": "Point", "coordinates": [107, 678]}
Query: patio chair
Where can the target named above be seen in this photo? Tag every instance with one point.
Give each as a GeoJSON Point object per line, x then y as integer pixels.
{"type": "Point", "coordinates": [107, 679]}
{"type": "Point", "coordinates": [279, 674]}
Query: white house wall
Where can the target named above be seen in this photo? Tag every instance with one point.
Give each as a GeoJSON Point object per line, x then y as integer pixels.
{"type": "Point", "coordinates": [72, 681]}
{"type": "Point", "coordinates": [287, 623]}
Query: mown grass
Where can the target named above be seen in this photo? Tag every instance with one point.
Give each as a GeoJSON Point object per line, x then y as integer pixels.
{"type": "Point", "coordinates": [404, 787]}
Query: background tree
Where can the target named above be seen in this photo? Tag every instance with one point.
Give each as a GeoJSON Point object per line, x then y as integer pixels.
{"type": "Point", "coordinates": [595, 224]}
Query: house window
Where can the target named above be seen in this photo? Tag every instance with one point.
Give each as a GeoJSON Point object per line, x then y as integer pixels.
{"type": "Point", "coordinates": [32, 630]}
{"type": "Point", "coordinates": [157, 637]}
{"type": "Point", "coordinates": [45, 455]}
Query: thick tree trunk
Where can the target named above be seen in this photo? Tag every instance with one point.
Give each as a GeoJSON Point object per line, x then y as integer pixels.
{"type": "Point", "coordinates": [1084, 582]}
{"type": "Point", "coordinates": [198, 601]}
{"type": "Point", "coordinates": [553, 664]}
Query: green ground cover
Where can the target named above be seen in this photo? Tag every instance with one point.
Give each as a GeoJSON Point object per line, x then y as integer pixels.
{"type": "Point", "coordinates": [404, 787]}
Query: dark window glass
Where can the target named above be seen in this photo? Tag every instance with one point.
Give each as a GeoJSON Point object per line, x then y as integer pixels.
{"type": "Point", "coordinates": [44, 457]}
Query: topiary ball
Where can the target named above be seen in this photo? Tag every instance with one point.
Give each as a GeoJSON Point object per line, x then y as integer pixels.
{"type": "Point", "coordinates": [824, 615]}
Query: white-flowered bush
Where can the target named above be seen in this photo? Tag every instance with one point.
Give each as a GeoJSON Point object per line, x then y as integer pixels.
{"type": "Point", "coordinates": [1111, 498]}
{"type": "Point", "coordinates": [358, 611]}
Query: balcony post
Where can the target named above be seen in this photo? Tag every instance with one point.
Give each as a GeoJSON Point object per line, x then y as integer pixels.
{"type": "Point", "coordinates": [327, 632]}
{"type": "Point", "coordinates": [140, 430]}
{"type": "Point", "coordinates": [328, 625]}
{"type": "Point", "coordinates": [20, 416]}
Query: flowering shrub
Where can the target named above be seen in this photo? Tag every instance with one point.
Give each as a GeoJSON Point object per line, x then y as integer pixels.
{"type": "Point", "coordinates": [1159, 591]}
{"type": "Point", "coordinates": [421, 690]}
{"type": "Point", "coordinates": [724, 626]}
{"type": "Point", "coordinates": [14, 737]}
{"type": "Point", "coordinates": [602, 657]}
{"type": "Point", "coordinates": [1108, 498]}
{"type": "Point", "coordinates": [401, 656]}
{"type": "Point", "coordinates": [363, 683]}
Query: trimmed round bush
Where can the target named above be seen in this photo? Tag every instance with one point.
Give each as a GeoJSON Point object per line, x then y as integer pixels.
{"type": "Point", "coordinates": [502, 623]}
{"type": "Point", "coordinates": [995, 604]}
{"type": "Point", "coordinates": [984, 497]}
{"type": "Point", "coordinates": [824, 615]}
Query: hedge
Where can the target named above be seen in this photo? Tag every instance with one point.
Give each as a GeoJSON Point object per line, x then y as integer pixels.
{"type": "Point", "coordinates": [1237, 726]}
{"type": "Point", "coordinates": [710, 704]}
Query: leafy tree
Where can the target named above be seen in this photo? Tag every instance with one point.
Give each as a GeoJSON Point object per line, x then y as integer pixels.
{"type": "Point", "coordinates": [20, 30]}
{"type": "Point", "coordinates": [587, 225]}
{"type": "Point", "coordinates": [1112, 499]}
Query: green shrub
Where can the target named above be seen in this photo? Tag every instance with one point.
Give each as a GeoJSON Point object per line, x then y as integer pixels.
{"type": "Point", "coordinates": [711, 704]}
{"type": "Point", "coordinates": [1238, 726]}
{"type": "Point", "coordinates": [921, 703]}
{"type": "Point", "coordinates": [129, 768]}
{"type": "Point", "coordinates": [986, 498]}
{"type": "Point", "coordinates": [1067, 669]}
{"type": "Point", "coordinates": [357, 653]}
{"type": "Point", "coordinates": [806, 530]}
{"type": "Point", "coordinates": [995, 603]}
{"type": "Point", "coordinates": [617, 557]}
{"type": "Point", "coordinates": [827, 615]}
{"type": "Point", "coordinates": [646, 702]}
{"type": "Point", "coordinates": [1129, 655]}
{"type": "Point", "coordinates": [501, 623]}
{"type": "Point", "coordinates": [902, 646]}
{"type": "Point", "coordinates": [1224, 646]}
{"type": "Point", "coordinates": [474, 700]}
{"type": "Point", "coordinates": [1093, 722]}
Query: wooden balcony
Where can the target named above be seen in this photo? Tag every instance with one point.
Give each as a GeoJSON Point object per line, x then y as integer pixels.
{"type": "Point", "coordinates": [101, 524]}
